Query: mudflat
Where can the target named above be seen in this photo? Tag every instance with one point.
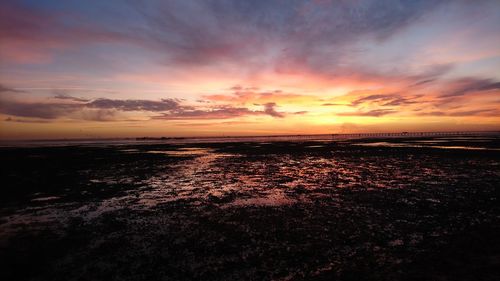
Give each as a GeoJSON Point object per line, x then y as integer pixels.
{"type": "Point", "coordinates": [384, 209]}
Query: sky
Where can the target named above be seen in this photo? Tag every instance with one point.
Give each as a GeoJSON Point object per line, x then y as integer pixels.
{"type": "Point", "coordinates": [105, 69]}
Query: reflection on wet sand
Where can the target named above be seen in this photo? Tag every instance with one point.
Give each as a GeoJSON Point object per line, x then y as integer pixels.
{"type": "Point", "coordinates": [182, 151]}
{"type": "Point", "coordinates": [468, 143]}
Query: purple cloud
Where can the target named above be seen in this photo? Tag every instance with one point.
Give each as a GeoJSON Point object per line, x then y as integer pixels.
{"type": "Point", "coordinates": [5, 89]}
{"type": "Point", "coordinates": [222, 112]}
{"type": "Point", "coordinates": [62, 96]}
{"type": "Point", "coordinates": [478, 112]}
{"type": "Point", "coordinates": [135, 105]}
{"type": "Point", "coordinates": [269, 109]}
{"type": "Point", "coordinates": [465, 86]}
{"type": "Point", "coordinates": [99, 109]}
{"type": "Point", "coordinates": [107, 109]}
{"type": "Point", "coordinates": [385, 99]}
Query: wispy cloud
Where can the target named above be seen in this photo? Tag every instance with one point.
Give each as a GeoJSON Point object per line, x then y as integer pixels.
{"type": "Point", "coordinates": [31, 35]}
{"type": "Point", "coordinates": [440, 99]}
{"type": "Point", "coordinates": [135, 105]}
{"type": "Point", "coordinates": [17, 120]}
{"type": "Point", "coordinates": [386, 100]}
{"type": "Point", "coordinates": [244, 95]}
{"type": "Point", "coordinates": [371, 113]}
{"type": "Point", "coordinates": [97, 110]}
{"type": "Point", "coordinates": [466, 86]}
{"type": "Point", "coordinates": [467, 113]}
{"type": "Point", "coordinates": [5, 89]}
{"type": "Point", "coordinates": [220, 112]}
{"type": "Point", "coordinates": [37, 109]}
{"type": "Point", "coordinates": [62, 96]}
{"type": "Point", "coordinates": [218, 33]}
{"type": "Point", "coordinates": [269, 109]}
{"type": "Point", "coordinates": [332, 104]}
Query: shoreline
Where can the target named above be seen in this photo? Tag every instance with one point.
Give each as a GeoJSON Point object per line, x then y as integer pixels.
{"type": "Point", "coordinates": [236, 139]}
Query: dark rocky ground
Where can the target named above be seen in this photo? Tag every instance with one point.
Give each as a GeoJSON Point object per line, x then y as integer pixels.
{"type": "Point", "coordinates": [252, 211]}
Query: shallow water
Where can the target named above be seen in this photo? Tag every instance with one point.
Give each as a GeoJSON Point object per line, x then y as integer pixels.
{"type": "Point", "coordinates": [268, 211]}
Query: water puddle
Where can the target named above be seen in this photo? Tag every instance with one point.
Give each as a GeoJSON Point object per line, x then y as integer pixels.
{"type": "Point", "coordinates": [424, 145]}
{"type": "Point", "coordinates": [132, 150]}
{"type": "Point", "coordinates": [387, 144]}
{"type": "Point", "coordinates": [464, 147]}
{"type": "Point", "coordinates": [275, 199]}
{"type": "Point", "coordinates": [44, 199]}
{"type": "Point", "coordinates": [182, 151]}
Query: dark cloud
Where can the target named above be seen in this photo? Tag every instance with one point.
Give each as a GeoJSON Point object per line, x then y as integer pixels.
{"type": "Point", "coordinates": [37, 109]}
{"type": "Point", "coordinates": [29, 33]}
{"type": "Point", "coordinates": [431, 73]}
{"type": "Point", "coordinates": [479, 112]}
{"type": "Point", "coordinates": [371, 98]}
{"type": "Point", "coordinates": [385, 100]}
{"type": "Point", "coordinates": [10, 119]}
{"type": "Point", "coordinates": [313, 34]}
{"type": "Point", "coordinates": [465, 86]}
{"type": "Point", "coordinates": [445, 94]}
{"type": "Point", "coordinates": [269, 109]}
{"type": "Point", "coordinates": [398, 101]}
{"type": "Point", "coordinates": [97, 110]}
{"type": "Point", "coordinates": [424, 82]}
{"type": "Point", "coordinates": [331, 104]}
{"type": "Point", "coordinates": [135, 105]}
{"type": "Point", "coordinates": [371, 113]}
{"type": "Point", "coordinates": [307, 36]}
{"type": "Point", "coordinates": [62, 96]}
{"type": "Point", "coordinates": [482, 112]}
{"type": "Point", "coordinates": [216, 113]}
{"type": "Point", "coordinates": [49, 111]}
{"type": "Point", "coordinates": [109, 109]}
{"type": "Point", "coordinates": [222, 112]}
{"type": "Point", "coordinates": [4, 89]}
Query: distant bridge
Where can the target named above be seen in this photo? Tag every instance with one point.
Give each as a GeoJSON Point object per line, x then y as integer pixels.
{"type": "Point", "coordinates": [414, 134]}
{"type": "Point", "coordinates": [326, 137]}
{"type": "Point", "coordinates": [375, 135]}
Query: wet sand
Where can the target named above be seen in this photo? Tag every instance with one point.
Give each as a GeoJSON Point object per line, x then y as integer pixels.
{"type": "Point", "coordinates": [393, 209]}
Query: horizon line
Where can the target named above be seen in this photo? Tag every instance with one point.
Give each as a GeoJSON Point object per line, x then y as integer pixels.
{"type": "Point", "coordinates": [402, 133]}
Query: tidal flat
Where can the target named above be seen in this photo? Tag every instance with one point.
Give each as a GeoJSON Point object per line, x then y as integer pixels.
{"type": "Point", "coordinates": [381, 209]}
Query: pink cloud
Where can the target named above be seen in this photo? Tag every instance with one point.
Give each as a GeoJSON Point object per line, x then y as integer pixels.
{"type": "Point", "coordinates": [33, 36]}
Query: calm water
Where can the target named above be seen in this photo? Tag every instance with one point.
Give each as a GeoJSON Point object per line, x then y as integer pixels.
{"type": "Point", "coordinates": [362, 209]}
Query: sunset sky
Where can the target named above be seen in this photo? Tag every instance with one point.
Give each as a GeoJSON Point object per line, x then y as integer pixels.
{"type": "Point", "coordinates": [95, 69]}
